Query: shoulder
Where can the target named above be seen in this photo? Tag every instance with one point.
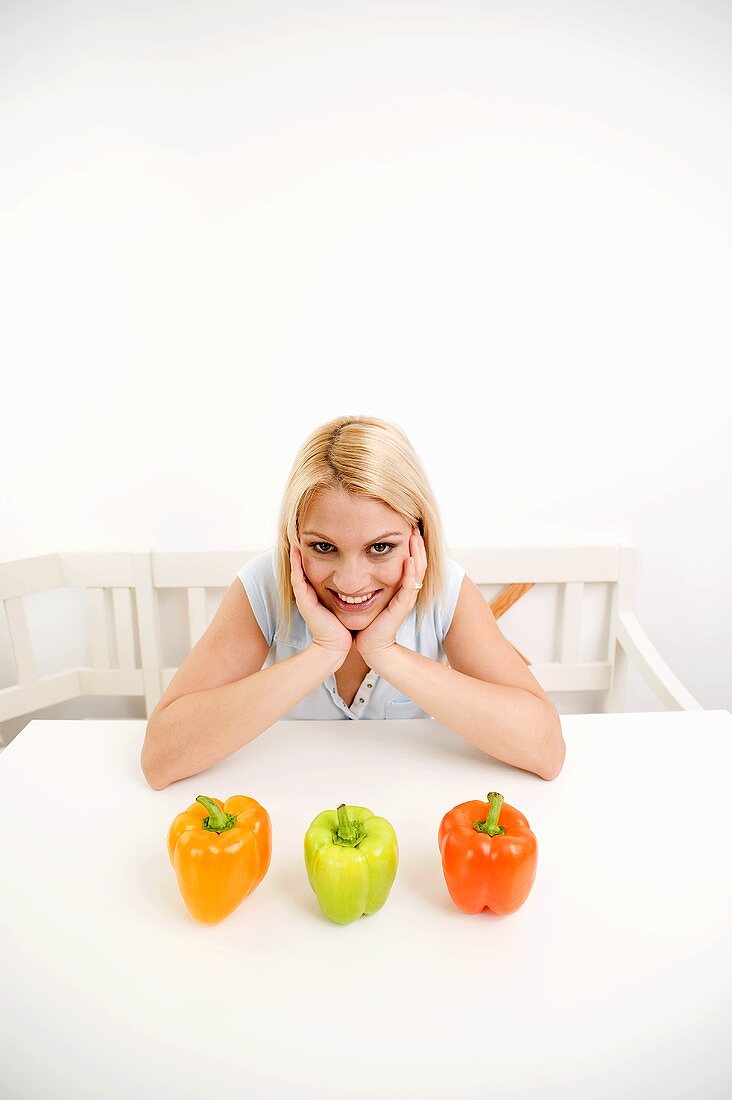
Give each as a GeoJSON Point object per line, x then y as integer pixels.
{"type": "Point", "coordinates": [454, 572]}
{"type": "Point", "coordinates": [257, 576]}
{"type": "Point", "coordinates": [445, 604]}
{"type": "Point", "coordinates": [259, 567]}
{"type": "Point", "coordinates": [471, 608]}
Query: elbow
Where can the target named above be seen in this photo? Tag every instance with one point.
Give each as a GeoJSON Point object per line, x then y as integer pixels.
{"type": "Point", "coordinates": [153, 777]}
{"type": "Point", "coordinates": [150, 762]}
{"type": "Point", "coordinates": [153, 780]}
{"type": "Point", "coordinates": [552, 772]}
{"type": "Point", "coordinates": [555, 749]}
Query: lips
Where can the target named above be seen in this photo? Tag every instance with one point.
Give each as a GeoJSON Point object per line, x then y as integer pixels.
{"type": "Point", "coordinates": [353, 595]}
{"type": "Point", "coordinates": [354, 607]}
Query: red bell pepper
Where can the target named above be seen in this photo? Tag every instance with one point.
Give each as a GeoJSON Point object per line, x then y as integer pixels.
{"type": "Point", "coordinates": [487, 865]}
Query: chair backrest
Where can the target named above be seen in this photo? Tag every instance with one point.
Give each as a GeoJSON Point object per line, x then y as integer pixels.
{"type": "Point", "coordinates": [133, 665]}
{"type": "Point", "coordinates": [120, 574]}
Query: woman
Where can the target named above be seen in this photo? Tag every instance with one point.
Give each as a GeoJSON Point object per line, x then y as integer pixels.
{"type": "Point", "coordinates": [358, 519]}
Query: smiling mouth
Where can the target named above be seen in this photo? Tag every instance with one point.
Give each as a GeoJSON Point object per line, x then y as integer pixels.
{"type": "Point", "coordinates": [354, 606]}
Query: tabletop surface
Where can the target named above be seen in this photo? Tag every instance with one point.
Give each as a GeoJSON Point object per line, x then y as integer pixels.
{"type": "Point", "coordinates": [613, 979]}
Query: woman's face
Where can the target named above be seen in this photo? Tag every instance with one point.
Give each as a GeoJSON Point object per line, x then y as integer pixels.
{"type": "Point", "coordinates": [353, 546]}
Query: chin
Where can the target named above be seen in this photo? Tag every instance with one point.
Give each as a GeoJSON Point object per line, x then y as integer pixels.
{"type": "Point", "coordinates": [365, 617]}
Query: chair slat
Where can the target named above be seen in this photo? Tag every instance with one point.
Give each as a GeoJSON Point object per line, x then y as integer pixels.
{"type": "Point", "coordinates": [623, 599]}
{"type": "Point", "coordinates": [539, 564]}
{"type": "Point", "coordinates": [123, 630]}
{"type": "Point", "coordinates": [107, 569]}
{"type": "Point", "coordinates": [196, 568]}
{"type": "Point", "coordinates": [149, 636]}
{"type": "Point", "coordinates": [25, 665]}
{"type": "Point", "coordinates": [196, 614]}
{"type": "Point", "coordinates": [166, 675]}
{"type": "Point", "coordinates": [98, 638]}
{"type": "Point", "coordinates": [571, 612]}
{"type": "Point", "coordinates": [26, 698]}
{"type": "Point", "coordinates": [587, 676]}
{"type": "Point", "coordinates": [112, 681]}
{"type": "Point", "coordinates": [27, 575]}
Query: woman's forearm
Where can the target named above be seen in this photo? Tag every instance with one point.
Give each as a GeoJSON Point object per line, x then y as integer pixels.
{"type": "Point", "coordinates": [509, 723]}
{"type": "Point", "coordinates": [197, 730]}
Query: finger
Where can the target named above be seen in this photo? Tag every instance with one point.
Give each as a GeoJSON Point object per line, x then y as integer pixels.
{"type": "Point", "coordinates": [421, 557]}
{"type": "Point", "coordinates": [296, 571]}
{"type": "Point", "coordinates": [415, 552]}
{"type": "Point", "coordinates": [417, 569]}
{"type": "Point", "coordinates": [302, 576]}
{"type": "Point", "coordinates": [416, 549]}
{"type": "Point", "coordinates": [408, 578]}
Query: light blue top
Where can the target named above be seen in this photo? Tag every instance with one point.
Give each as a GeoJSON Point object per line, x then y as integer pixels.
{"type": "Point", "coordinates": [376, 698]}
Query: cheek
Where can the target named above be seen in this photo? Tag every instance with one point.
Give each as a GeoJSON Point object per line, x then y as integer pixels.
{"type": "Point", "coordinates": [389, 575]}
{"type": "Point", "coordinates": [313, 569]}
{"type": "Point", "coordinates": [396, 571]}
{"type": "Point", "coordinates": [318, 572]}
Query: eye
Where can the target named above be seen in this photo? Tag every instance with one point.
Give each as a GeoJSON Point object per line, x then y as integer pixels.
{"type": "Point", "coordinates": [389, 545]}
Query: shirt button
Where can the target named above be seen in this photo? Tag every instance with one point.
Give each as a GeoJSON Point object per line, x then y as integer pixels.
{"type": "Point", "coordinates": [360, 700]}
{"type": "Point", "coordinates": [369, 685]}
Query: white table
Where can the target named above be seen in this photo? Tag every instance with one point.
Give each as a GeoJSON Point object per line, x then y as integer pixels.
{"type": "Point", "coordinates": [613, 980]}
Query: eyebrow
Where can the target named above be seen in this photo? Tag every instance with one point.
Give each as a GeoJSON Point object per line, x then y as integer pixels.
{"type": "Point", "coordinates": [379, 538]}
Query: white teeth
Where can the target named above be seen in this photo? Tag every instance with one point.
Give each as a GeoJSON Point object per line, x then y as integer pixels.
{"type": "Point", "coordinates": [356, 599]}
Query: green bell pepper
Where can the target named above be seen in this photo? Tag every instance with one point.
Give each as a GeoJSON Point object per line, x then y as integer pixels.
{"type": "Point", "coordinates": [351, 859]}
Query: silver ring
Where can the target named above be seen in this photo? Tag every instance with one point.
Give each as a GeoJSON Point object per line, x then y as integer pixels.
{"type": "Point", "coordinates": [418, 585]}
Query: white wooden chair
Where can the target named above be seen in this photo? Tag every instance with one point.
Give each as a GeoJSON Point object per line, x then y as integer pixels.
{"type": "Point", "coordinates": [136, 580]}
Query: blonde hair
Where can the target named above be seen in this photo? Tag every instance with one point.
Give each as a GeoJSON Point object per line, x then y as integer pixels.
{"type": "Point", "coordinates": [366, 457]}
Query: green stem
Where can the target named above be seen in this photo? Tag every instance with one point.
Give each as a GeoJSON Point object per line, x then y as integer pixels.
{"type": "Point", "coordinates": [218, 820]}
{"type": "Point", "coordinates": [348, 832]}
{"type": "Point", "coordinates": [490, 826]}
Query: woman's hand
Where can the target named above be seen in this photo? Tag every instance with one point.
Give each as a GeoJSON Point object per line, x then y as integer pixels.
{"type": "Point", "coordinates": [381, 633]}
{"type": "Point", "coordinates": [327, 630]}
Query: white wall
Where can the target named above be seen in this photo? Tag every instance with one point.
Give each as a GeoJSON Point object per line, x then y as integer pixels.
{"type": "Point", "coordinates": [506, 227]}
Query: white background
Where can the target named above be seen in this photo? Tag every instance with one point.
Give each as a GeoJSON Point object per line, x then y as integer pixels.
{"type": "Point", "coordinates": [504, 227]}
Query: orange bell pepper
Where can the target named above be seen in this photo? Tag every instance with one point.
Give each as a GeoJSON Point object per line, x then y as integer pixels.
{"type": "Point", "coordinates": [221, 851]}
{"type": "Point", "coordinates": [487, 865]}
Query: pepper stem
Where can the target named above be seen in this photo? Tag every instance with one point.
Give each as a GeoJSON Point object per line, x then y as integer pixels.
{"type": "Point", "coordinates": [348, 832]}
{"type": "Point", "coordinates": [490, 826]}
{"type": "Point", "coordinates": [218, 820]}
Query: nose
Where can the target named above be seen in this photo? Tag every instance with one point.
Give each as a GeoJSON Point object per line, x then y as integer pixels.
{"type": "Point", "coordinates": [350, 583]}
{"type": "Point", "coordinates": [350, 587]}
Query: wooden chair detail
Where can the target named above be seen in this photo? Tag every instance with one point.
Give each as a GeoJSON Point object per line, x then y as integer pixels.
{"type": "Point", "coordinates": [136, 580]}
